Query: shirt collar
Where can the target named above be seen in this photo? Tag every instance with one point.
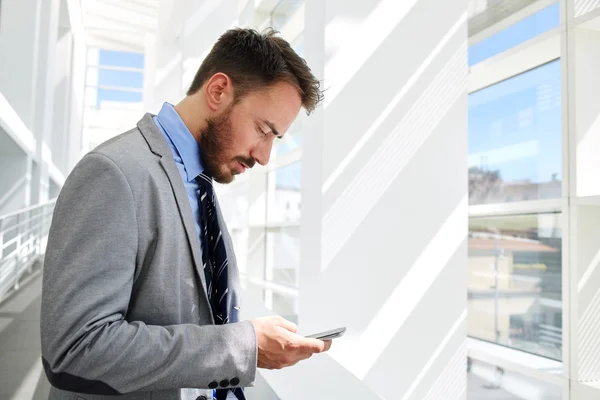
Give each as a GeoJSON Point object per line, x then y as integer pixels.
{"type": "Point", "coordinates": [184, 142]}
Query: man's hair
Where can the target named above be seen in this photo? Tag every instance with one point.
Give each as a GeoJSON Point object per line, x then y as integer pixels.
{"type": "Point", "coordinates": [254, 61]}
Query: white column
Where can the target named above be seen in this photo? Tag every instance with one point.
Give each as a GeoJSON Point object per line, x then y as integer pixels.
{"type": "Point", "coordinates": [587, 111]}
{"type": "Point", "coordinates": [168, 54]}
{"type": "Point", "coordinates": [62, 90]}
{"type": "Point", "coordinates": [76, 105]}
{"type": "Point", "coordinates": [312, 171]}
{"type": "Point", "coordinates": [150, 103]}
{"type": "Point", "coordinates": [582, 291]}
{"type": "Point", "coordinates": [44, 96]}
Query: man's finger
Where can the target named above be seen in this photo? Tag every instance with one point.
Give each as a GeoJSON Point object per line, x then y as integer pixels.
{"type": "Point", "coordinates": [311, 345]}
{"type": "Point", "coordinates": [290, 326]}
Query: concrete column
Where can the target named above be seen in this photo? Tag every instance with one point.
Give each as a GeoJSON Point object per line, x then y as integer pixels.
{"type": "Point", "coordinates": [76, 101]}
{"type": "Point", "coordinates": [312, 169]}
{"type": "Point", "coordinates": [62, 97]}
{"type": "Point", "coordinates": [168, 57]}
{"type": "Point", "coordinates": [587, 111]}
{"type": "Point", "coordinates": [582, 293]}
{"type": "Point", "coordinates": [44, 97]}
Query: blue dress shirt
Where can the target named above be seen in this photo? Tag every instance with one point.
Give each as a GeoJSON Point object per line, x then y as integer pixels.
{"type": "Point", "coordinates": [186, 154]}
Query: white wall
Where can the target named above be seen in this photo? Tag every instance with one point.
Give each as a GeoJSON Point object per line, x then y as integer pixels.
{"type": "Point", "coordinates": [18, 55]}
{"type": "Point", "coordinates": [587, 110]}
{"type": "Point", "coordinates": [19, 22]}
{"type": "Point", "coordinates": [187, 29]}
{"type": "Point", "coordinates": [42, 78]}
{"type": "Point", "coordinates": [583, 295]}
{"type": "Point", "coordinates": [14, 182]}
{"type": "Point", "coordinates": [391, 196]}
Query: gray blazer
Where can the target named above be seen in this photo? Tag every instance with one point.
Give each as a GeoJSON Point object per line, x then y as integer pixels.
{"type": "Point", "coordinates": [124, 303]}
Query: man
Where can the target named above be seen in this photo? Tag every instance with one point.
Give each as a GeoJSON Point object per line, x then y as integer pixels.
{"type": "Point", "coordinates": [141, 288]}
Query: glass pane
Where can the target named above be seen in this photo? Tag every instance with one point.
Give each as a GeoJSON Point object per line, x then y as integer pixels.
{"type": "Point", "coordinates": [284, 10]}
{"type": "Point", "coordinates": [90, 98]}
{"type": "Point", "coordinates": [283, 195]}
{"type": "Point", "coordinates": [514, 282]}
{"type": "Point", "coordinates": [486, 381]}
{"type": "Point", "coordinates": [528, 28]}
{"type": "Point", "coordinates": [515, 138]}
{"type": "Point", "coordinates": [121, 59]}
{"type": "Point", "coordinates": [292, 140]}
{"type": "Point", "coordinates": [284, 306]}
{"type": "Point", "coordinates": [124, 79]}
{"type": "Point", "coordinates": [283, 219]}
{"type": "Point", "coordinates": [284, 247]}
{"type": "Point", "coordinates": [298, 45]}
{"type": "Point", "coordinates": [118, 96]}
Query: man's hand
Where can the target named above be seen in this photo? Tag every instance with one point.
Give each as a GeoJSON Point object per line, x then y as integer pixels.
{"type": "Point", "coordinates": [279, 346]}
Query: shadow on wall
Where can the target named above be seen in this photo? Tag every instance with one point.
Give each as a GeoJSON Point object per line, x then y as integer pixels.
{"type": "Point", "coordinates": [394, 231]}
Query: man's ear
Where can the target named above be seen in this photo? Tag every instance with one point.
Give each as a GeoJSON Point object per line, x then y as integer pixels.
{"type": "Point", "coordinates": [219, 92]}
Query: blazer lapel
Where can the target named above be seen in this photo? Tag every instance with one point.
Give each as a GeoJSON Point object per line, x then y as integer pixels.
{"type": "Point", "coordinates": [159, 146]}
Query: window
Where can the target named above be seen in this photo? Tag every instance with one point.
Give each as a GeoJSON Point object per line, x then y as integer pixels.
{"type": "Point", "coordinates": [122, 78]}
{"type": "Point", "coordinates": [488, 381]}
{"type": "Point", "coordinates": [113, 94]}
{"type": "Point", "coordinates": [515, 138]}
{"type": "Point", "coordinates": [528, 28]}
{"type": "Point", "coordinates": [284, 245]}
{"type": "Point", "coordinates": [121, 59]}
{"type": "Point", "coordinates": [515, 183]}
{"type": "Point", "coordinates": [514, 282]}
{"type": "Point", "coordinates": [115, 76]}
{"type": "Point", "coordinates": [283, 224]}
{"type": "Point", "coordinates": [292, 140]}
{"type": "Point", "coordinates": [282, 237]}
{"type": "Point", "coordinates": [107, 95]}
{"type": "Point", "coordinates": [298, 45]}
{"type": "Point", "coordinates": [285, 306]}
{"type": "Point", "coordinates": [283, 12]}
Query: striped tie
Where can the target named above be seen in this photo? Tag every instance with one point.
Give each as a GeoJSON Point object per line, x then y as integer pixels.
{"type": "Point", "coordinates": [214, 260]}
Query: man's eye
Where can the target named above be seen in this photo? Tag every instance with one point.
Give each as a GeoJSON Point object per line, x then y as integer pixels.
{"type": "Point", "coordinates": [259, 129]}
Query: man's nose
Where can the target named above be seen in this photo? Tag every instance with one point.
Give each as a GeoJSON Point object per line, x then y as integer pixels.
{"type": "Point", "coordinates": [262, 153]}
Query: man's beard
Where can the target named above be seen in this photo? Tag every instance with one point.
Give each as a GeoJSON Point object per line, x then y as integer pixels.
{"type": "Point", "coordinates": [216, 144]}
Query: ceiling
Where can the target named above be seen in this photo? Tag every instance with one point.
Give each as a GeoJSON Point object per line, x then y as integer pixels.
{"type": "Point", "coordinates": [123, 25]}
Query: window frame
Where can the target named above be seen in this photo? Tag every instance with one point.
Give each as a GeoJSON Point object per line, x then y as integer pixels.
{"type": "Point", "coordinates": [533, 53]}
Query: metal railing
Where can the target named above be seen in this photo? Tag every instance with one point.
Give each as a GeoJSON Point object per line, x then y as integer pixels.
{"type": "Point", "coordinates": [23, 238]}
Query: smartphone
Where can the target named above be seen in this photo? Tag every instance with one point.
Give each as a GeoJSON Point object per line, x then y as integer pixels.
{"type": "Point", "coordinates": [328, 335]}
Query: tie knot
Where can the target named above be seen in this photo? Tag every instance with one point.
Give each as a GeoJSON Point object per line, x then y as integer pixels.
{"type": "Point", "coordinates": [205, 180]}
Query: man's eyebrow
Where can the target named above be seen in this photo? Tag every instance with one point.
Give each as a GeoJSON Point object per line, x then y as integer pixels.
{"type": "Point", "coordinates": [272, 127]}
